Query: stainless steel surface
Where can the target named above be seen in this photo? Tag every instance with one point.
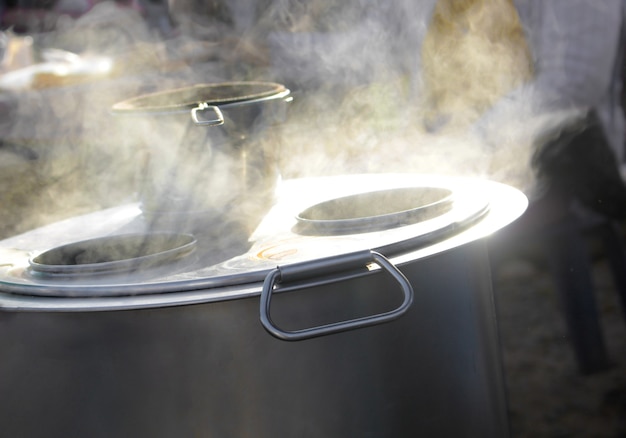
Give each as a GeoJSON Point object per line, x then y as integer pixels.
{"type": "Point", "coordinates": [211, 370]}
{"type": "Point", "coordinates": [190, 357]}
{"type": "Point", "coordinates": [479, 208]}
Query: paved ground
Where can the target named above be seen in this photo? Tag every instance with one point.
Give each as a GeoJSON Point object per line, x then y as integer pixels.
{"type": "Point", "coordinates": [548, 397]}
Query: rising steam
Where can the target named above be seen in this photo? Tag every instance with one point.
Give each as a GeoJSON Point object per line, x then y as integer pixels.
{"type": "Point", "coordinates": [417, 87]}
{"type": "Point", "coordinates": [397, 87]}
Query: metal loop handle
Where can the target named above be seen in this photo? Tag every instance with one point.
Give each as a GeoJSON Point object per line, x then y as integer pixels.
{"type": "Point", "coordinates": [275, 276]}
{"type": "Point", "coordinates": [202, 108]}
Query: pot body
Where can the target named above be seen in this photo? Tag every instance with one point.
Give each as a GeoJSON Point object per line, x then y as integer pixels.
{"type": "Point", "coordinates": [211, 157]}
{"type": "Point", "coordinates": [211, 370]}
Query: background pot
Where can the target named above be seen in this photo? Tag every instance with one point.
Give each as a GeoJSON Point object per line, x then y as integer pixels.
{"type": "Point", "coordinates": [210, 152]}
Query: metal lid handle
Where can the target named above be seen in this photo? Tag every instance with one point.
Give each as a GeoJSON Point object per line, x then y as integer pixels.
{"type": "Point", "coordinates": [334, 263]}
{"type": "Point", "coordinates": [201, 109]}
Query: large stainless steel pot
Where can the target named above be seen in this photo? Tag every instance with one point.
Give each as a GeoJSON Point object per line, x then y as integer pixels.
{"type": "Point", "coordinates": [395, 328]}
{"type": "Point", "coordinates": [208, 152]}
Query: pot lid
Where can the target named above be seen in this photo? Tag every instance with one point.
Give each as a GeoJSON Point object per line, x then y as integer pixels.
{"type": "Point", "coordinates": [218, 94]}
{"type": "Point", "coordinates": [455, 211]}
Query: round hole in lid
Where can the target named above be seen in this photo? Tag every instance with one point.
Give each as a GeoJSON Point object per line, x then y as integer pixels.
{"type": "Point", "coordinates": [113, 254]}
{"type": "Point", "coordinates": [375, 211]}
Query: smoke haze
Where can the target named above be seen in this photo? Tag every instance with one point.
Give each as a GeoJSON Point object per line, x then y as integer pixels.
{"type": "Point", "coordinates": [373, 92]}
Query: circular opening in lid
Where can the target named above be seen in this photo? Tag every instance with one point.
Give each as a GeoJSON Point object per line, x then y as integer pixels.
{"type": "Point", "coordinates": [375, 211]}
{"type": "Point", "coordinates": [113, 254]}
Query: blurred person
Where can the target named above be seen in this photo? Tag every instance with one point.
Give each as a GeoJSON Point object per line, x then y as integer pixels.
{"type": "Point", "coordinates": [578, 49]}
{"type": "Point", "coordinates": [564, 61]}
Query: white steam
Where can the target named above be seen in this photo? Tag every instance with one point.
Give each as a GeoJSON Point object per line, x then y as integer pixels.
{"type": "Point", "coordinates": [355, 70]}
{"type": "Point", "coordinates": [404, 89]}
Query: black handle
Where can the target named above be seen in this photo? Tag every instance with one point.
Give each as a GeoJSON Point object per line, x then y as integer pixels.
{"type": "Point", "coordinates": [325, 266]}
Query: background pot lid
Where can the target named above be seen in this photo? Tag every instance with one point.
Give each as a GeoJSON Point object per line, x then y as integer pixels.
{"type": "Point", "coordinates": [217, 94]}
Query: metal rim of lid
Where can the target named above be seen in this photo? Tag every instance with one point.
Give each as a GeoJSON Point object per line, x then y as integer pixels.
{"type": "Point", "coordinates": [185, 98]}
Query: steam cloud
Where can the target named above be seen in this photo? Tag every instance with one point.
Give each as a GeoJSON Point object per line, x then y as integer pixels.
{"type": "Point", "coordinates": [412, 87]}
{"type": "Point", "coordinates": [365, 99]}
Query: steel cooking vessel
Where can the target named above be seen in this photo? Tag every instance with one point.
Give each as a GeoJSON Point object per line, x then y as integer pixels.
{"type": "Point", "coordinates": [393, 329]}
{"type": "Point", "coordinates": [208, 152]}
